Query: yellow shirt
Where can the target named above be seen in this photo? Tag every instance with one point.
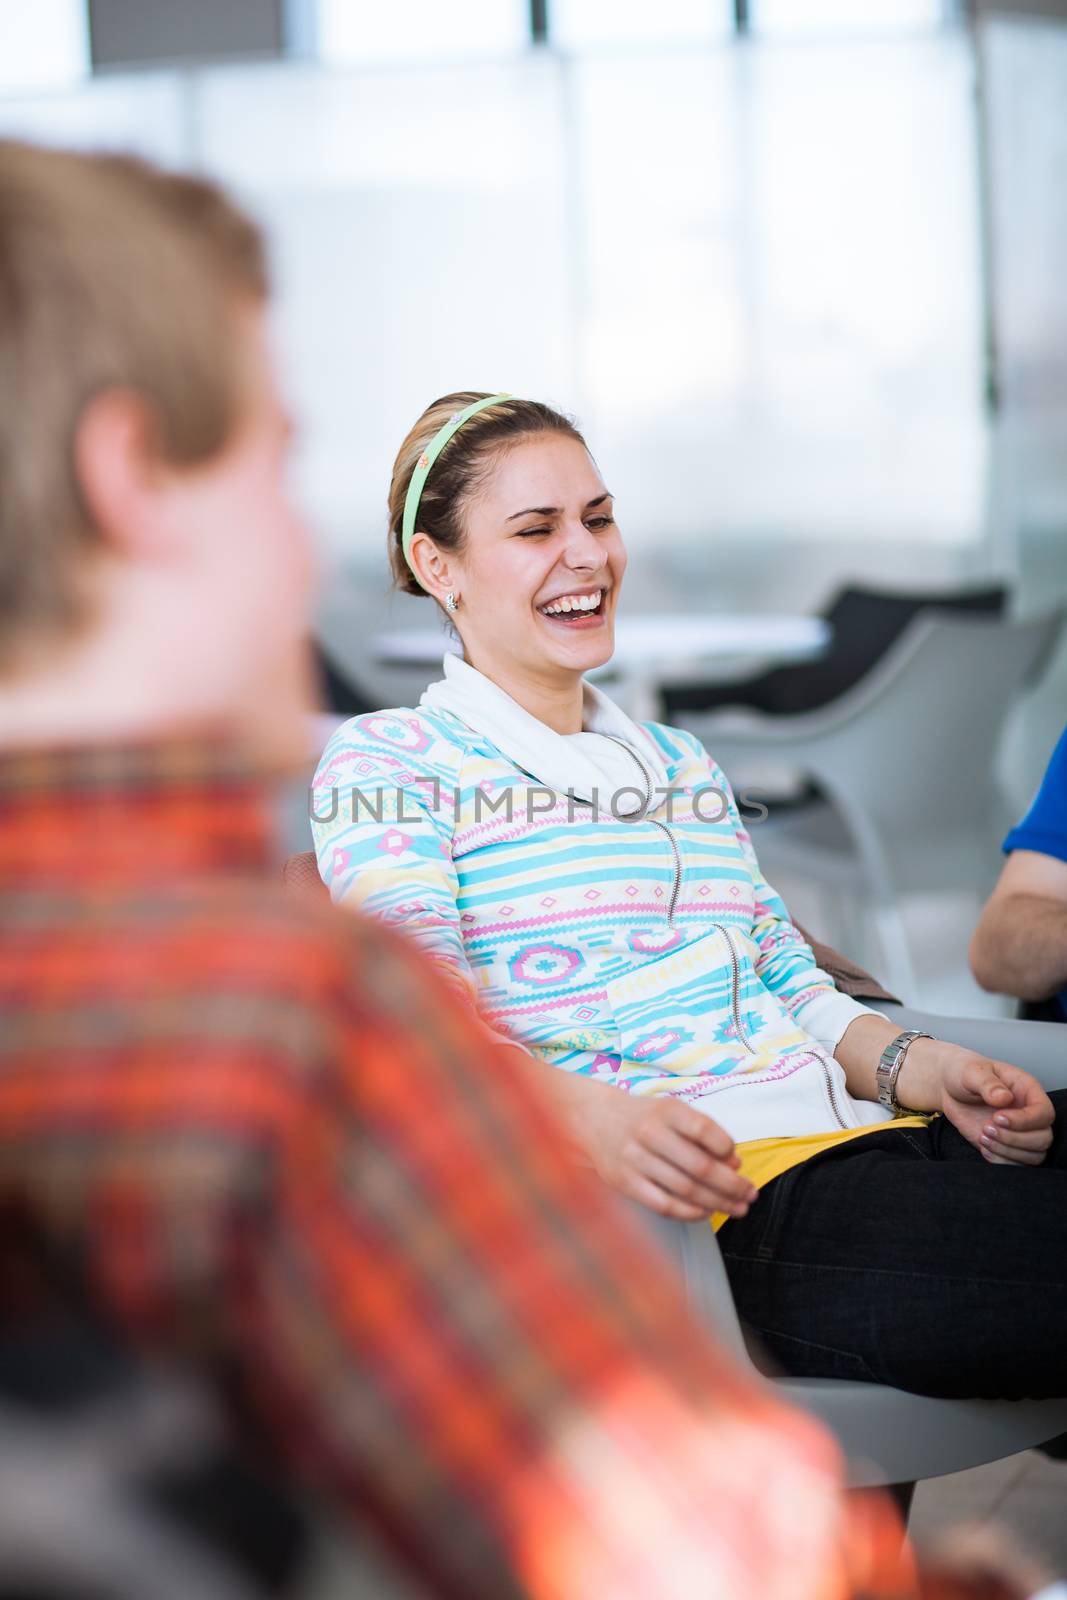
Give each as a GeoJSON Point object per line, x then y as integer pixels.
{"type": "Point", "coordinates": [764, 1159]}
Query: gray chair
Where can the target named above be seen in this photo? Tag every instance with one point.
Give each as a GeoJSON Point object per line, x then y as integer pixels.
{"type": "Point", "coordinates": [907, 763]}
{"type": "Point", "coordinates": [865, 623]}
{"type": "Point", "coordinates": [889, 1436]}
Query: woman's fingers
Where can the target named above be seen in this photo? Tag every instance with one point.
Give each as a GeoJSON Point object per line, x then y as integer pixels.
{"type": "Point", "coordinates": [717, 1193]}
{"type": "Point", "coordinates": [701, 1130]}
{"type": "Point", "coordinates": [1031, 1106]}
{"type": "Point", "coordinates": [1008, 1141]}
{"type": "Point", "coordinates": [1018, 1139]}
{"type": "Point", "coordinates": [666, 1205]}
{"type": "Point", "coordinates": [701, 1152]}
{"type": "Point", "coordinates": [676, 1182]}
{"type": "Point", "coordinates": [695, 1162]}
{"type": "Point", "coordinates": [680, 1163]}
{"type": "Point", "coordinates": [1018, 1154]}
{"type": "Point", "coordinates": [1037, 1115]}
{"type": "Point", "coordinates": [1000, 1157]}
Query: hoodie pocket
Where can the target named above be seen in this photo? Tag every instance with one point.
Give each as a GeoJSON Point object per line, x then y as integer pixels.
{"type": "Point", "coordinates": [674, 1013]}
{"type": "Point", "coordinates": [699, 1010]}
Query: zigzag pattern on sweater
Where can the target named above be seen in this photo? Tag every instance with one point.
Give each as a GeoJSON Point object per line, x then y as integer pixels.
{"type": "Point", "coordinates": [559, 924]}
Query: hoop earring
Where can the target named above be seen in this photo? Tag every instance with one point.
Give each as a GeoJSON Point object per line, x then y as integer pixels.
{"type": "Point", "coordinates": [451, 602]}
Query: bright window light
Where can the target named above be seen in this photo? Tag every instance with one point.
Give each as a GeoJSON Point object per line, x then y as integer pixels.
{"type": "Point", "coordinates": [781, 314]}
{"type": "Point", "coordinates": [796, 17]}
{"type": "Point", "coordinates": [365, 30]}
{"type": "Point", "coordinates": [43, 45]}
{"type": "Point", "coordinates": [576, 24]}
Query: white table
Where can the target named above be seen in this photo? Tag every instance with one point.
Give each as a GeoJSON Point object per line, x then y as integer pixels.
{"type": "Point", "coordinates": [653, 649]}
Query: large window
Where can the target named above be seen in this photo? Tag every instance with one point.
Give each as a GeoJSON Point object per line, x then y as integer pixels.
{"type": "Point", "coordinates": [795, 18]}
{"type": "Point", "coordinates": [753, 272]}
{"type": "Point", "coordinates": [577, 24]}
{"type": "Point", "coordinates": [43, 43]}
{"type": "Point", "coordinates": [439, 30]}
{"type": "Point", "coordinates": [780, 256]}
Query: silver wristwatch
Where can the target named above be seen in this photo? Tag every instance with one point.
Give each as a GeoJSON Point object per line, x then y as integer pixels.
{"type": "Point", "coordinates": [888, 1070]}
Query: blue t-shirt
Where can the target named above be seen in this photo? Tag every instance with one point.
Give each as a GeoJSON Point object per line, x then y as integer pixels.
{"type": "Point", "coordinates": [1044, 827]}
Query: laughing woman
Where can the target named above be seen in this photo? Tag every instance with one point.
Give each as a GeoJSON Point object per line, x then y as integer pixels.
{"type": "Point", "coordinates": [891, 1207]}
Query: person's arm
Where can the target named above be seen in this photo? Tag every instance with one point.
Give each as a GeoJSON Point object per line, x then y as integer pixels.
{"type": "Point", "coordinates": [464, 1342]}
{"type": "Point", "coordinates": [381, 818]}
{"type": "Point", "coordinates": [784, 959]}
{"type": "Point", "coordinates": [1001, 1109]}
{"type": "Point", "coordinates": [1020, 944]}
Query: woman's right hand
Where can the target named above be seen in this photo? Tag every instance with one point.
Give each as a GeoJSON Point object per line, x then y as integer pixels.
{"type": "Point", "coordinates": [662, 1152]}
{"type": "Point", "coordinates": [654, 1149]}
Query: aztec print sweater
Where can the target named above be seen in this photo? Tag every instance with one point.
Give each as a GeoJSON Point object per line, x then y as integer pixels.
{"type": "Point", "coordinates": [627, 934]}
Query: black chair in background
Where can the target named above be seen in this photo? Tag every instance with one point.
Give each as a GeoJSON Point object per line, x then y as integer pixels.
{"type": "Point", "coordinates": [865, 623]}
{"type": "Point", "coordinates": [337, 690]}
{"type": "Point", "coordinates": [1040, 1011]}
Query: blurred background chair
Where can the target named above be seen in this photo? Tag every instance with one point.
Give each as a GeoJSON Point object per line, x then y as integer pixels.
{"type": "Point", "coordinates": [906, 763]}
{"type": "Point", "coordinates": [865, 623]}
{"type": "Point", "coordinates": [338, 690]}
{"type": "Point", "coordinates": [122, 1480]}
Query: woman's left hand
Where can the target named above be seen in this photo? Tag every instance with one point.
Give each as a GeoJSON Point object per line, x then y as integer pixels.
{"type": "Point", "coordinates": [1000, 1108]}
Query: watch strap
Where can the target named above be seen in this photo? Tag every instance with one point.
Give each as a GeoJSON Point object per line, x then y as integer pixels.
{"type": "Point", "coordinates": [888, 1069]}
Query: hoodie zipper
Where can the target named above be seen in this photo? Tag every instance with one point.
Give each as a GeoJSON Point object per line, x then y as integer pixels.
{"type": "Point", "coordinates": [830, 1094]}
{"type": "Point", "coordinates": [735, 990]}
{"type": "Point", "coordinates": [735, 965]}
{"type": "Point", "coordinates": [662, 826]}
{"type": "Point", "coordinates": [828, 1080]}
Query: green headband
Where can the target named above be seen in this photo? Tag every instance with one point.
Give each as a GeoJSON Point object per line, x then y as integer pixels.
{"type": "Point", "coordinates": [426, 461]}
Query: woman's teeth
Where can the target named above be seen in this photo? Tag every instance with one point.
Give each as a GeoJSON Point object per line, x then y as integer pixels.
{"type": "Point", "coordinates": [575, 602]}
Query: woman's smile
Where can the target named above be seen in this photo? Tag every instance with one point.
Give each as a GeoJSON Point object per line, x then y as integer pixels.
{"type": "Point", "coordinates": [577, 611]}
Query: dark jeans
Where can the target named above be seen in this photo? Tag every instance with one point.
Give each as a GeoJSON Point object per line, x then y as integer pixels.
{"type": "Point", "coordinates": [903, 1257]}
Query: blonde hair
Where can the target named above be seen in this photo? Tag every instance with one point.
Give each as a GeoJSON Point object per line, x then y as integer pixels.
{"type": "Point", "coordinates": [461, 467]}
{"type": "Point", "coordinates": [112, 274]}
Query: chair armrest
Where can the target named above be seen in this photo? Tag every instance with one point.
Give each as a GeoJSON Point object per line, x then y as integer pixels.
{"type": "Point", "coordinates": [1037, 1047]}
{"type": "Point", "coordinates": [757, 731]}
{"type": "Point", "coordinates": [694, 1250]}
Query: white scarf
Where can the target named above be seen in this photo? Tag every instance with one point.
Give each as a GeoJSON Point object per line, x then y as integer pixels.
{"type": "Point", "coordinates": [561, 762]}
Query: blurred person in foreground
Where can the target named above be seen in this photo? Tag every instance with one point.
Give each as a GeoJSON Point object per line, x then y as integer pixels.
{"type": "Point", "coordinates": [1020, 943]}
{"type": "Point", "coordinates": [396, 1277]}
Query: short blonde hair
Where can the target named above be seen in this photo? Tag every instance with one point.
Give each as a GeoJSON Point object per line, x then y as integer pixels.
{"type": "Point", "coordinates": [112, 274]}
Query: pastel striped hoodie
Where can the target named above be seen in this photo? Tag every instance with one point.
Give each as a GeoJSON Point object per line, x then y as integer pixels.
{"type": "Point", "coordinates": [623, 931]}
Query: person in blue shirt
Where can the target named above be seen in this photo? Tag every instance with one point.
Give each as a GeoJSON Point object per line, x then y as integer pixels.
{"type": "Point", "coordinates": [1020, 943]}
